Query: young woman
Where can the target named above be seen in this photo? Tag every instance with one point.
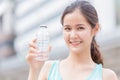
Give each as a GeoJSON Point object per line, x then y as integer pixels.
{"type": "Point", "coordinates": [80, 25]}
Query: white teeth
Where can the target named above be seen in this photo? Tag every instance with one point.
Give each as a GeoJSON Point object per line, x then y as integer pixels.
{"type": "Point", "coordinates": [76, 42]}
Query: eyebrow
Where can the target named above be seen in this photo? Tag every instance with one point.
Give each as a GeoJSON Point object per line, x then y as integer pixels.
{"type": "Point", "coordinates": [75, 25]}
{"type": "Point", "coordinates": [66, 26]}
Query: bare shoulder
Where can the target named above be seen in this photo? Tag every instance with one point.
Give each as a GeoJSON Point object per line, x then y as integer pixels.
{"type": "Point", "coordinates": [109, 74]}
{"type": "Point", "coordinates": [45, 70]}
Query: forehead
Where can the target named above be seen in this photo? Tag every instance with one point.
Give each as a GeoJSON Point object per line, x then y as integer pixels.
{"type": "Point", "coordinates": [74, 18]}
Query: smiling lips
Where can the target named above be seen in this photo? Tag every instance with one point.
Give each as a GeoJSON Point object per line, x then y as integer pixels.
{"type": "Point", "coordinates": [75, 43]}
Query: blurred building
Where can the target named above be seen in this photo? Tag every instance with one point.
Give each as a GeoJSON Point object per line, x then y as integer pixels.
{"type": "Point", "coordinates": [20, 20]}
{"type": "Point", "coordinates": [6, 29]}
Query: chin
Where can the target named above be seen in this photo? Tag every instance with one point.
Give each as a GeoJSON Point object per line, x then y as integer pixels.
{"type": "Point", "coordinates": [76, 50]}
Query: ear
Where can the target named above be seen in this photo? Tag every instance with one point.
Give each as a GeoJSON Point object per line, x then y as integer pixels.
{"type": "Point", "coordinates": [96, 29]}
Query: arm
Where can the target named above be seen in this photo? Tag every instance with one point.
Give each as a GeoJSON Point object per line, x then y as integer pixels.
{"type": "Point", "coordinates": [34, 71]}
{"type": "Point", "coordinates": [45, 71]}
{"type": "Point", "coordinates": [34, 64]}
{"type": "Point", "coordinates": [33, 75]}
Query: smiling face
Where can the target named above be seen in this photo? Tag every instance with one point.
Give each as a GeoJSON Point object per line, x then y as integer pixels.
{"type": "Point", "coordinates": [77, 32]}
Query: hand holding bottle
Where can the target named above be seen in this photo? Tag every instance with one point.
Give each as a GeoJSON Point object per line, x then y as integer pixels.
{"type": "Point", "coordinates": [35, 64]}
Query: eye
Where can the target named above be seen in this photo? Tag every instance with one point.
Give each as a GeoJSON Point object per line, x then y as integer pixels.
{"type": "Point", "coordinates": [67, 29]}
{"type": "Point", "coordinates": [80, 28]}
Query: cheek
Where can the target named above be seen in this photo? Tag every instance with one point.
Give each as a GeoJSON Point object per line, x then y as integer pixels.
{"type": "Point", "coordinates": [65, 35]}
{"type": "Point", "coordinates": [86, 35]}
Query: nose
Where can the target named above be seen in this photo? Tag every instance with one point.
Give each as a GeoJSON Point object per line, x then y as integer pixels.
{"type": "Point", "coordinates": [73, 34]}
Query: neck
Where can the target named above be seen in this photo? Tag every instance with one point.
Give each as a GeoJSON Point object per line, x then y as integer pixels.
{"type": "Point", "coordinates": [81, 57]}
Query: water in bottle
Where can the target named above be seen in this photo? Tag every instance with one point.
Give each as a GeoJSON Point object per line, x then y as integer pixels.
{"type": "Point", "coordinates": [43, 43]}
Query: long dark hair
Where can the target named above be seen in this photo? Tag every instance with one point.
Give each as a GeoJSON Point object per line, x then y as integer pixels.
{"type": "Point", "coordinates": [91, 16]}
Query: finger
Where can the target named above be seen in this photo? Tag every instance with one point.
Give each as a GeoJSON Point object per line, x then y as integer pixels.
{"type": "Point", "coordinates": [33, 50]}
{"type": "Point", "coordinates": [41, 57]}
{"type": "Point", "coordinates": [34, 40]}
{"type": "Point", "coordinates": [36, 57]}
{"type": "Point", "coordinates": [31, 56]}
{"type": "Point", "coordinates": [49, 48]}
{"type": "Point", "coordinates": [32, 44]}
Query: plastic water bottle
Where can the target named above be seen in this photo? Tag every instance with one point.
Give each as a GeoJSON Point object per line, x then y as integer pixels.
{"type": "Point", "coordinates": [43, 42]}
